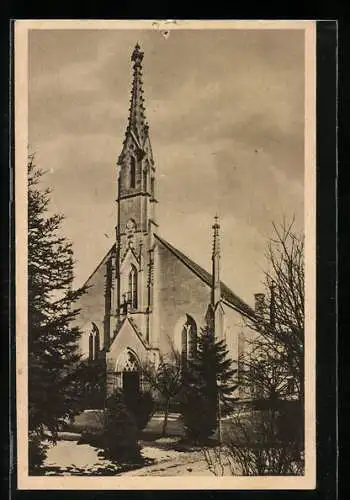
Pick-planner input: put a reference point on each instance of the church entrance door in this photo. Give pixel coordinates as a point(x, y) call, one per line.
point(128, 370)
point(131, 383)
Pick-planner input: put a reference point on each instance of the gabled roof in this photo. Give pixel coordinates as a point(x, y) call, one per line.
point(104, 259)
point(132, 251)
point(134, 327)
point(228, 296)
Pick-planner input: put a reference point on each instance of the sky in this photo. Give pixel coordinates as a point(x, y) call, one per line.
point(226, 116)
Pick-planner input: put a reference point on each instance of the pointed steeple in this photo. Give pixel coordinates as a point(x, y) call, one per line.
point(216, 284)
point(136, 207)
point(137, 130)
point(137, 118)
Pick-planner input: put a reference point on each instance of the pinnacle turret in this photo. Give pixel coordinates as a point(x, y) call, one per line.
point(216, 284)
point(216, 237)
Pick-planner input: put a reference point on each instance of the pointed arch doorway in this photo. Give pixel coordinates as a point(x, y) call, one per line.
point(128, 370)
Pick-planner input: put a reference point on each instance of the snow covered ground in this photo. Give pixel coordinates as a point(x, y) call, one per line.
point(180, 464)
point(162, 456)
point(69, 453)
point(159, 454)
point(69, 458)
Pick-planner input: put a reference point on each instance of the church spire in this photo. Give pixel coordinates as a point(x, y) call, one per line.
point(136, 201)
point(137, 119)
point(137, 131)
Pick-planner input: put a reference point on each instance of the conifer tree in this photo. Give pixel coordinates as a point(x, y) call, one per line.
point(53, 355)
point(209, 385)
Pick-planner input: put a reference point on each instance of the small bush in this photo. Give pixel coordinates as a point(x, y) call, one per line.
point(36, 452)
point(258, 446)
point(120, 436)
point(290, 423)
point(87, 421)
point(94, 439)
point(142, 406)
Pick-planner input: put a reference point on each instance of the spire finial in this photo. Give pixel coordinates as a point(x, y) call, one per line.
point(216, 222)
point(137, 54)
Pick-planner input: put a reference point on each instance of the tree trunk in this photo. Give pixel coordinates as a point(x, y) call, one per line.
point(165, 421)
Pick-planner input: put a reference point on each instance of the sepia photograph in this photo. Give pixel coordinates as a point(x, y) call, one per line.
point(165, 254)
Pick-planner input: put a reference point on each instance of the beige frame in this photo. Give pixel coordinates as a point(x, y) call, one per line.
point(308, 481)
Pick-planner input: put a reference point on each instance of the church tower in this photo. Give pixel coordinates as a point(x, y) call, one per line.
point(146, 297)
point(136, 201)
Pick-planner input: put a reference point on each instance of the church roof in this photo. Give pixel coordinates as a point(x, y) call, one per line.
point(228, 296)
point(102, 261)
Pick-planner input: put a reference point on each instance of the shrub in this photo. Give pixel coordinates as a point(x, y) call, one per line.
point(256, 444)
point(142, 406)
point(120, 435)
point(36, 452)
point(290, 423)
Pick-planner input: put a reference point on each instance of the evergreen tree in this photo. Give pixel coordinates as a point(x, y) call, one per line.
point(52, 337)
point(209, 382)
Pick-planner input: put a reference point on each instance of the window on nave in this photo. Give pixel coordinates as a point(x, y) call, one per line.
point(185, 338)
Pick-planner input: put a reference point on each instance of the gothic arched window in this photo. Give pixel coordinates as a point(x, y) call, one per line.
point(132, 172)
point(94, 342)
point(186, 338)
point(133, 287)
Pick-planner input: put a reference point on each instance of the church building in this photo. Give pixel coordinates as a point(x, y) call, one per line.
point(147, 297)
